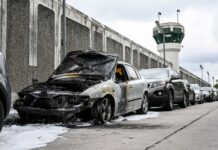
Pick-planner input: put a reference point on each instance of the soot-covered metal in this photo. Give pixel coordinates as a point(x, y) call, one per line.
point(85, 85)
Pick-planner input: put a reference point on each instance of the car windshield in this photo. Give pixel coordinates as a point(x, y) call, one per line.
point(195, 87)
point(92, 63)
point(155, 73)
point(206, 88)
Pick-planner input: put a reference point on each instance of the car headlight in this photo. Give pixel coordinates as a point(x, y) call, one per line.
point(156, 84)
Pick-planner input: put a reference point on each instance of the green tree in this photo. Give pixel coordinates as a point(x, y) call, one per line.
point(216, 86)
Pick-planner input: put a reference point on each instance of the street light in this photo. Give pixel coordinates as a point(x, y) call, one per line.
point(213, 80)
point(202, 68)
point(208, 77)
point(162, 32)
point(64, 28)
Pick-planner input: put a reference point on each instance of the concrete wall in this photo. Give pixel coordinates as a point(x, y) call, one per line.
point(33, 47)
point(46, 27)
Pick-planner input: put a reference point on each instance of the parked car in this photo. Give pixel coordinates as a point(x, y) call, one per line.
point(197, 93)
point(165, 88)
point(5, 92)
point(215, 94)
point(191, 93)
point(87, 82)
point(207, 93)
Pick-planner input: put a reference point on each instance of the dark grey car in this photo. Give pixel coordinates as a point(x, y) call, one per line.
point(165, 87)
point(5, 92)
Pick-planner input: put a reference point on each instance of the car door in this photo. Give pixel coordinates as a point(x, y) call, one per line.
point(121, 80)
point(135, 86)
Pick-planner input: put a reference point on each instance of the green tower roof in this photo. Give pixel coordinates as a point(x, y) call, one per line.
point(174, 33)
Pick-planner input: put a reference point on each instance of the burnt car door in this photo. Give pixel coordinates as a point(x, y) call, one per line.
point(121, 81)
point(135, 88)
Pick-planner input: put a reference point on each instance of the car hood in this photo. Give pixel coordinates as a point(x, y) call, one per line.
point(155, 80)
point(61, 85)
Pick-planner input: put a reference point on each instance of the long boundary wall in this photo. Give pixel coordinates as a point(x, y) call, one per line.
point(31, 40)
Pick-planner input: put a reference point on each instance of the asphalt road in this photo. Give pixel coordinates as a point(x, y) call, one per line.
point(193, 128)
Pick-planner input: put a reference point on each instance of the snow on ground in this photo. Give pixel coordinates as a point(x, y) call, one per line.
point(29, 136)
point(150, 114)
point(13, 111)
point(16, 137)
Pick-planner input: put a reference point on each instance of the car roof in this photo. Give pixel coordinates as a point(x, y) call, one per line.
point(123, 63)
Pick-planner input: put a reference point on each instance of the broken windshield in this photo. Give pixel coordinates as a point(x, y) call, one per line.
point(87, 63)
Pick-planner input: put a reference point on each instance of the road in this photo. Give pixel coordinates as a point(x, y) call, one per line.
point(193, 128)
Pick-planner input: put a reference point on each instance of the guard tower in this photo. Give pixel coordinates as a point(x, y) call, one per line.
point(168, 37)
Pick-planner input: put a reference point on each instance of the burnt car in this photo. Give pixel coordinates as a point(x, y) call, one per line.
point(165, 88)
point(5, 92)
point(89, 82)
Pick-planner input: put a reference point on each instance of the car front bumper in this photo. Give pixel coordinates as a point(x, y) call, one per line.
point(157, 96)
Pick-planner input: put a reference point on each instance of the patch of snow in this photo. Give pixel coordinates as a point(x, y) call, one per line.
point(150, 114)
point(29, 136)
point(13, 111)
point(85, 124)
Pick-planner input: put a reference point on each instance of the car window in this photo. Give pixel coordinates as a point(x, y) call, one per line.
point(172, 73)
point(120, 74)
point(175, 73)
point(131, 72)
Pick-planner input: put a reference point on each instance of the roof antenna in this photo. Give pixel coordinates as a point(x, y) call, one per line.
point(159, 14)
point(178, 11)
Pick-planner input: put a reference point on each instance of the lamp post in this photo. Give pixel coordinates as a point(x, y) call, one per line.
point(162, 32)
point(64, 28)
point(208, 77)
point(202, 68)
point(213, 80)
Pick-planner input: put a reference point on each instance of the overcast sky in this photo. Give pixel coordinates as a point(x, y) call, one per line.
point(135, 19)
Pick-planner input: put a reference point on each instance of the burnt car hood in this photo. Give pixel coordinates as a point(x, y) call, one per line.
point(61, 85)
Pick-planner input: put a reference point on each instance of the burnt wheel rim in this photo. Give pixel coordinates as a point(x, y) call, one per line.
point(106, 110)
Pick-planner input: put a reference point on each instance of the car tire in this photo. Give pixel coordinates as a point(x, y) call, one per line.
point(169, 103)
point(193, 101)
point(183, 104)
point(1, 115)
point(144, 105)
point(102, 110)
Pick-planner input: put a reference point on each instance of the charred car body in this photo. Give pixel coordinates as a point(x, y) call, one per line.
point(86, 81)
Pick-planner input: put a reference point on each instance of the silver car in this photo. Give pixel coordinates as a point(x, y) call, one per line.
point(198, 95)
point(91, 83)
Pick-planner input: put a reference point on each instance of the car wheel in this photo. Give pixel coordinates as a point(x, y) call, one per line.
point(169, 104)
point(193, 101)
point(183, 104)
point(144, 105)
point(1, 115)
point(102, 110)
